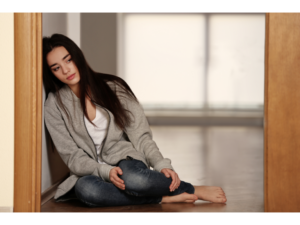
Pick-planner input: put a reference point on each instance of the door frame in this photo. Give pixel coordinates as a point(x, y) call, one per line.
point(28, 112)
point(281, 116)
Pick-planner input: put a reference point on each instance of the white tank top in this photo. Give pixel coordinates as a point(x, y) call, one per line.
point(98, 133)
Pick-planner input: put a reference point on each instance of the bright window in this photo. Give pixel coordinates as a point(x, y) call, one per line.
point(186, 60)
point(236, 60)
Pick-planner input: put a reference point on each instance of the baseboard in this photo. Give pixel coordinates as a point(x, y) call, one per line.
point(50, 192)
point(6, 209)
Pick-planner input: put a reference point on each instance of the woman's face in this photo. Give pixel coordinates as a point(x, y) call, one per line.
point(62, 66)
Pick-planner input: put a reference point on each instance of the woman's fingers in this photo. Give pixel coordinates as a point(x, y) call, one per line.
point(118, 184)
point(119, 170)
point(177, 182)
point(165, 172)
point(115, 179)
point(175, 179)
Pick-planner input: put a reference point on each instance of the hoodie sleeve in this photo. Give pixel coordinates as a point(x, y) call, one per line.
point(77, 160)
point(140, 134)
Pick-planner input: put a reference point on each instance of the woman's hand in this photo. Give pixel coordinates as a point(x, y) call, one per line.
point(117, 181)
point(175, 179)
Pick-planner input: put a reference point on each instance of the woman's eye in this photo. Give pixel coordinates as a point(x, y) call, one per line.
point(69, 60)
point(55, 69)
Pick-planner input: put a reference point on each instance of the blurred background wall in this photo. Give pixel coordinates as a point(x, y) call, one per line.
point(99, 41)
point(199, 77)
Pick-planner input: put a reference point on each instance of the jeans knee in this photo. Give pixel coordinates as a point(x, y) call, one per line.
point(85, 189)
point(135, 181)
point(135, 176)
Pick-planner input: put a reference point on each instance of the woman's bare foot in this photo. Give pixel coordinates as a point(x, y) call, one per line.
point(210, 193)
point(184, 197)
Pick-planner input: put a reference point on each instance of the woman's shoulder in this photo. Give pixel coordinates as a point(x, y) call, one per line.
point(65, 94)
point(50, 101)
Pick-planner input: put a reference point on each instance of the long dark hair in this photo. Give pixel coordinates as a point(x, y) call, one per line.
point(92, 84)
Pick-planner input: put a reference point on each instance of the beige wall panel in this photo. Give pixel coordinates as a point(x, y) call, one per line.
point(282, 113)
point(7, 111)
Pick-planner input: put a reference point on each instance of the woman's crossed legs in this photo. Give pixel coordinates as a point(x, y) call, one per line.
point(142, 186)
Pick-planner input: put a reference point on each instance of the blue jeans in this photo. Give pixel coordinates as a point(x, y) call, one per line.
point(142, 186)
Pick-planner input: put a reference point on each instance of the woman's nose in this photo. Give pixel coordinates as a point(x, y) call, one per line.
point(65, 69)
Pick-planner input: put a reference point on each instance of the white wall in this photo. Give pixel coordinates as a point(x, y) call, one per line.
point(53, 168)
point(7, 112)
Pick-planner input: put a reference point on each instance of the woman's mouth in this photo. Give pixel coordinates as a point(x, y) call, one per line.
point(71, 77)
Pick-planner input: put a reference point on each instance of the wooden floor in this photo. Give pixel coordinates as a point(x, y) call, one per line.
point(230, 157)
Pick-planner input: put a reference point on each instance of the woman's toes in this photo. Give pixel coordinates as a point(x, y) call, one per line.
point(191, 197)
point(190, 201)
point(219, 200)
point(194, 197)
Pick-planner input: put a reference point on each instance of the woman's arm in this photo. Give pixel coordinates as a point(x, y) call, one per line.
point(140, 135)
point(73, 156)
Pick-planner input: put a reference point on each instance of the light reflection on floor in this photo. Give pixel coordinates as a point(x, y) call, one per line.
point(230, 157)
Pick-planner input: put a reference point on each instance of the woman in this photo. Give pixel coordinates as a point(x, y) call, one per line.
point(101, 133)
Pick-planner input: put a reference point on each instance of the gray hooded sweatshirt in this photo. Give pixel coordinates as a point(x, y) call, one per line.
point(77, 150)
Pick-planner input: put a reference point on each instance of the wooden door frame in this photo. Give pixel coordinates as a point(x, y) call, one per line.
point(282, 109)
point(28, 112)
